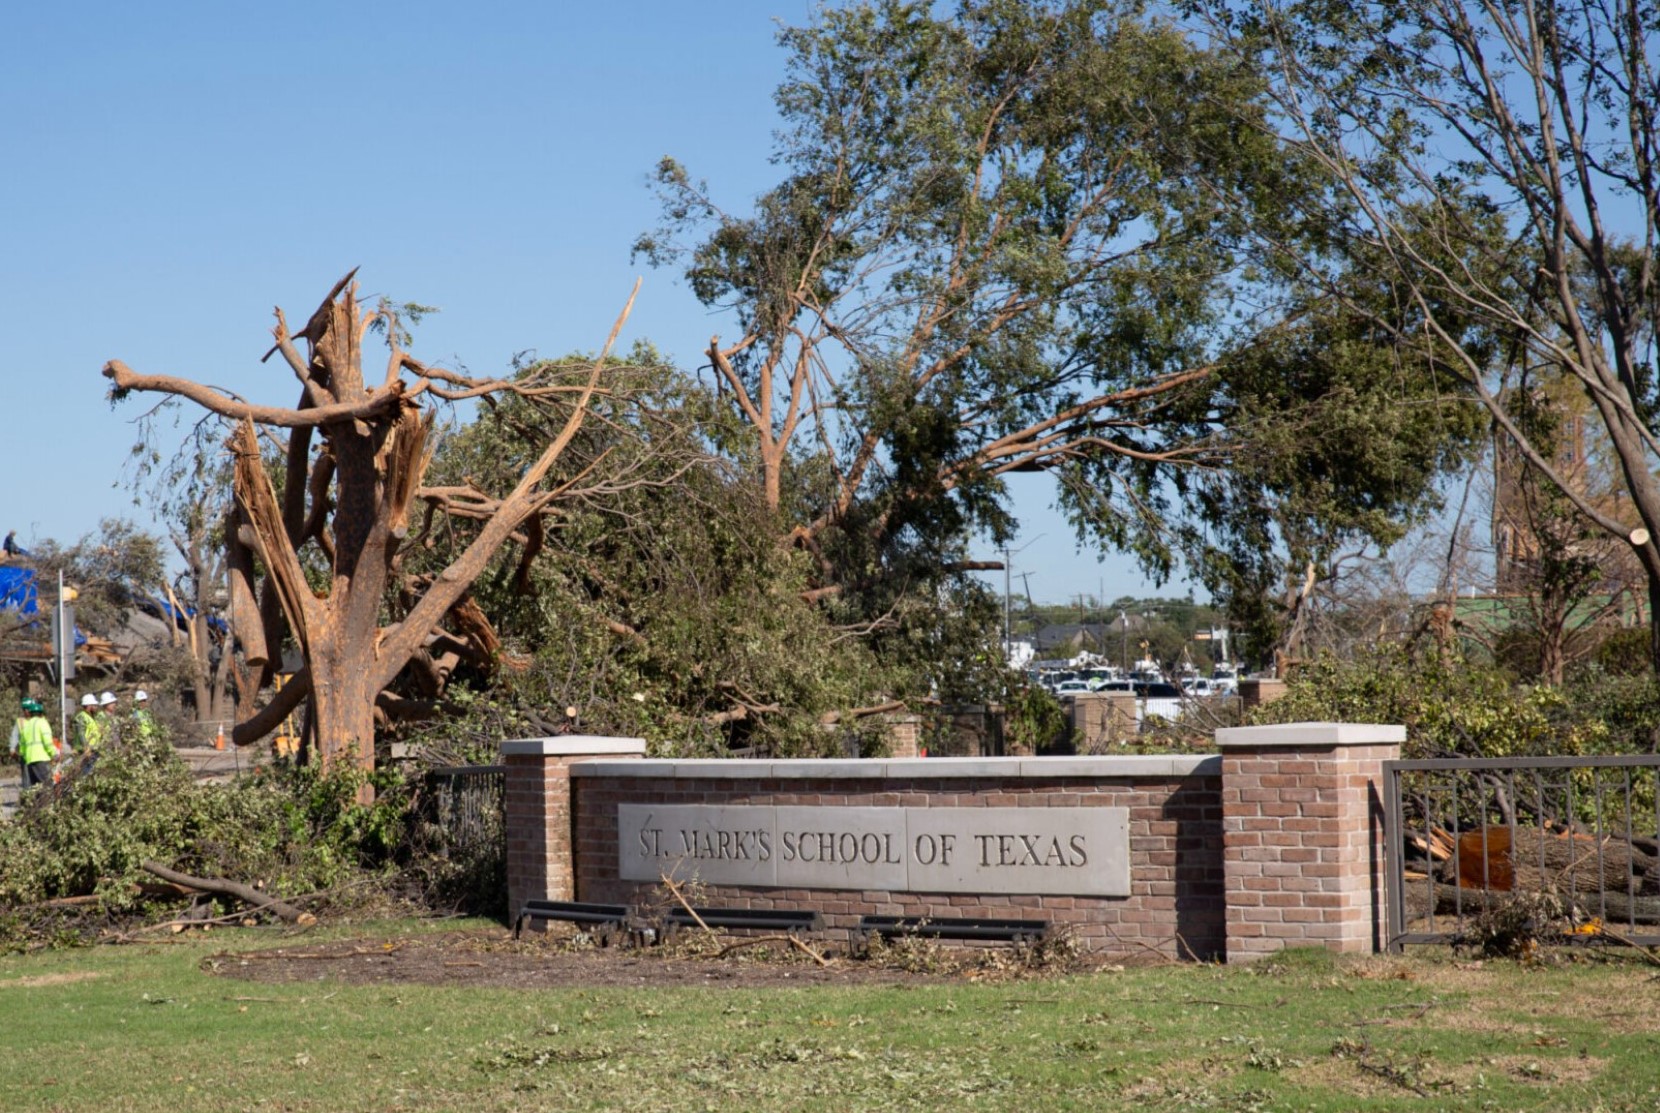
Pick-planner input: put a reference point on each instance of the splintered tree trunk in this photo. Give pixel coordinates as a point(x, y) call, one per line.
point(344, 643)
point(360, 487)
point(343, 706)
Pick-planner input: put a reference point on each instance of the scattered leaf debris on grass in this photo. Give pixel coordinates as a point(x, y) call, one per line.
point(491, 957)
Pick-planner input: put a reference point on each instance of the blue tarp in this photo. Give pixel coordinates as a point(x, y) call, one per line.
point(185, 614)
point(17, 590)
point(17, 593)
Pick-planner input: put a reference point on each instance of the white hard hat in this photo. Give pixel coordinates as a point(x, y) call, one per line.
point(89, 700)
point(105, 698)
point(139, 695)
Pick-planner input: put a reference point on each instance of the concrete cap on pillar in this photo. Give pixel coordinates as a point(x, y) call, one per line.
point(573, 745)
point(1312, 735)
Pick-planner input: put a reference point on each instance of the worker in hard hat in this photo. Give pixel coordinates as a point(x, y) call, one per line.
point(107, 717)
point(34, 745)
point(89, 732)
point(144, 725)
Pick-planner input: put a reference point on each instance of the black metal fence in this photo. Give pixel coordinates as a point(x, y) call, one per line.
point(1466, 836)
point(465, 803)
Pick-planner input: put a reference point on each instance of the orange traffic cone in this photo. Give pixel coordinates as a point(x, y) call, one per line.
point(219, 742)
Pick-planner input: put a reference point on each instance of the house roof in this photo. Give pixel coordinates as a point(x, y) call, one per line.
point(1075, 634)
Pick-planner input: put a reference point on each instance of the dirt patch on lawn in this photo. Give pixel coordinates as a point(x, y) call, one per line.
point(40, 980)
point(493, 958)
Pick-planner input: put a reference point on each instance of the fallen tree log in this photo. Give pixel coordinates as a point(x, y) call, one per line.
point(1502, 858)
point(1424, 897)
point(287, 913)
point(153, 889)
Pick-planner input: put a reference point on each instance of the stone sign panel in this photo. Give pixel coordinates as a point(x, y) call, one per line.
point(851, 848)
point(1055, 851)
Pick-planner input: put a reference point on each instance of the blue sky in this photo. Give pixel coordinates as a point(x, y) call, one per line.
point(178, 169)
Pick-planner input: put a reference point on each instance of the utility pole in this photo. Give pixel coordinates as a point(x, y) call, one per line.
point(1008, 588)
point(1008, 640)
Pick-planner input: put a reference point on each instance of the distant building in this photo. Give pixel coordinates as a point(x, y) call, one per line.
point(1523, 521)
point(1067, 639)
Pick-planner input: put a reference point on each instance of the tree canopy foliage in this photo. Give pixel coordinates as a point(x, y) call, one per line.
point(1027, 237)
point(1222, 285)
point(662, 607)
point(1454, 705)
point(1435, 122)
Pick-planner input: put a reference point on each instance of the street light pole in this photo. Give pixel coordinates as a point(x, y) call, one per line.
point(64, 639)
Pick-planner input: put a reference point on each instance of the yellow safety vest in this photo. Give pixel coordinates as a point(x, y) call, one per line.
point(34, 740)
point(88, 730)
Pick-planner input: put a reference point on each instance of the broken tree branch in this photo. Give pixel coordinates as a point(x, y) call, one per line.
point(373, 404)
point(285, 912)
point(269, 717)
point(757, 941)
point(668, 883)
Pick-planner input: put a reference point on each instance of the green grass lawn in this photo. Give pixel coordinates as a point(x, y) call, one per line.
point(144, 1028)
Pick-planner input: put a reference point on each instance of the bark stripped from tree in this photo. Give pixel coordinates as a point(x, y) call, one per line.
point(351, 499)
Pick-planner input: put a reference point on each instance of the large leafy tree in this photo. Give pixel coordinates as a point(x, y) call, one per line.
point(1339, 426)
point(1548, 109)
point(1028, 237)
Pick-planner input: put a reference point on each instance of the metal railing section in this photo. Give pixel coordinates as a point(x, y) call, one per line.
point(466, 803)
point(1464, 835)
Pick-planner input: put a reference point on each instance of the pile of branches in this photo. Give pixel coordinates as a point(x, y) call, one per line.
point(136, 845)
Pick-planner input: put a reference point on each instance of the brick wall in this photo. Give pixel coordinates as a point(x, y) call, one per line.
point(1257, 690)
point(1176, 903)
point(1276, 842)
point(904, 735)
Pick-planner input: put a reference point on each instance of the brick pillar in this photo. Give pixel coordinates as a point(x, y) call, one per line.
point(1302, 835)
point(536, 811)
point(904, 735)
point(1256, 691)
point(1102, 718)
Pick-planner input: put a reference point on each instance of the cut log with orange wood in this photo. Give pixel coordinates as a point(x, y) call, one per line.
point(1504, 859)
point(1437, 845)
point(1441, 844)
